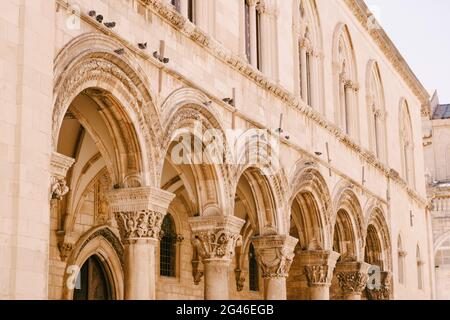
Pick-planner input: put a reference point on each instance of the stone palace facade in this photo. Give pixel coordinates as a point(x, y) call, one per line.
point(199, 149)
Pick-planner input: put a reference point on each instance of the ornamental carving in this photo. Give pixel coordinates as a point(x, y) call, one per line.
point(275, 255)
point(383, 292)
point(216, 245)
point(145, 224)
point(352, 282)
point(65, 248)
point(59, 188)
point(240, 279)
point(317, 275)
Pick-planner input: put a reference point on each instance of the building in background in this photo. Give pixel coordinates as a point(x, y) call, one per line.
point(437, 171)
point(199, 149)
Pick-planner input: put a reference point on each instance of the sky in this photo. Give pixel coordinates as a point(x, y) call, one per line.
point(420, 29)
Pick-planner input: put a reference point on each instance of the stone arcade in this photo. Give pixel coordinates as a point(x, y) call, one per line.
point(319, 186)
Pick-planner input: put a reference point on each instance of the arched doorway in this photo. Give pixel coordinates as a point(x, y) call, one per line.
point(92, 282)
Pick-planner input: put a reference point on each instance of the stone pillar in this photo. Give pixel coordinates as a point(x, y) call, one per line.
point(215, 238)
point(348, 89)
point(253, 35)
point(275, 254)
point(59, 166)
point(352, 278)
point(381, 290)
point(303, 70)
point(139, 213)
point(319, 266)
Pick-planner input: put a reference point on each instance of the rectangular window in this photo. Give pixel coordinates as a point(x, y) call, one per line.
point(258, 40)
point(191, 10)
point(248, 50)
point(308, 79)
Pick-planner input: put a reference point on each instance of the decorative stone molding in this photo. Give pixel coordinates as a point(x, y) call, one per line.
point(239, 63)
point(319, 266)
point(352, 276)
point(139, 212)
point(275, 254)
point(383, 292)
point(215, 237)
point(59, 165)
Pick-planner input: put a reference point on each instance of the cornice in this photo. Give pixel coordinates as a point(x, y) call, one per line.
point(379, 36)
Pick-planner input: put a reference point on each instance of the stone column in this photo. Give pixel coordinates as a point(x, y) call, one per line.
point(303, 70)
point(319, 266)
point(253, 35)
point(381, 290)
point(139, 213)
point(352, 278)
point(215, 238)
point(275, 254)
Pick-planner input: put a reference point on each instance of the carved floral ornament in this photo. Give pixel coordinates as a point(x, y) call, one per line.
point(216, 237)
point(352, 282)
point(352, 276)
point(139, 212)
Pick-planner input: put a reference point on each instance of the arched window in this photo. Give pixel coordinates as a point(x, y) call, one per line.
point(309, 52)
point(92, 282)
point(253, 269)
point(167, 253)
point(376, 111)
point(406, 144)
point(419, 269)
point(176, 4)
point(253, 24)
point(191, 7)
point(401, 261)
point(346, 85)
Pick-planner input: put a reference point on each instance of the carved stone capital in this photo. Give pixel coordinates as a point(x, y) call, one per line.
point(139, 212)
point(383, 290)
point(352, 276)
point(59, 165)
point(319, 266)
point(275, 254)
point(215, 237)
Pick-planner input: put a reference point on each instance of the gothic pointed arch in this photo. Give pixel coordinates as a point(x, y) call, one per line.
point(378, 245)
point(89, 72)
point(407, 146)
point(345, 81)
point(102, 243)
point(348, 221)
point(376, 111)
point(311, 206)
point(308, 53)
point(257, 164)
point(194, 139)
